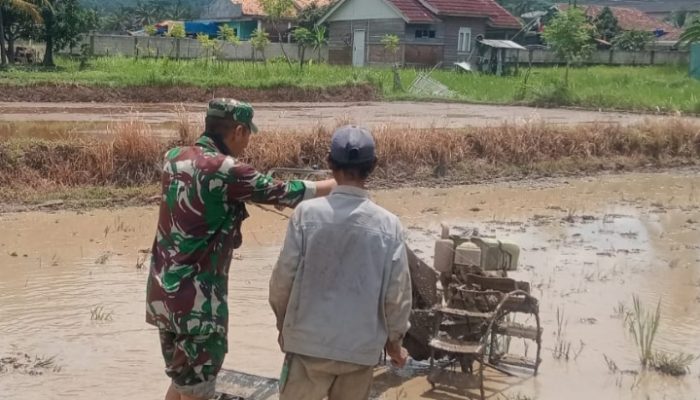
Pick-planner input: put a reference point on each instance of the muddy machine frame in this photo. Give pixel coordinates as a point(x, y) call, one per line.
point(472, 318)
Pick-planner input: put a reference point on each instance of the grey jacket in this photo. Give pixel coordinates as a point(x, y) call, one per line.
point(341, 286)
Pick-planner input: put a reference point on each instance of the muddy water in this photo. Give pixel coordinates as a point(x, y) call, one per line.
point(587, 245)
point(270, 116)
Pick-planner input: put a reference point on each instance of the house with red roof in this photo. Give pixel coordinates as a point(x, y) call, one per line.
point(430, 31)
point(632, 19)
point(245, 16)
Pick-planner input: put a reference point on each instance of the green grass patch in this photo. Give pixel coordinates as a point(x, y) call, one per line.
point(120, 71)
point(645, 88)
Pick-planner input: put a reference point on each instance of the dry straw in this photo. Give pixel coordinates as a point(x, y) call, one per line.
point(132, 153)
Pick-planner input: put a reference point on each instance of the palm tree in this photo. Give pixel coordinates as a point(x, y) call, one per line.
point(319, 40)
point(680, 18)
point(146, 13)
point(691, 35)
point(24, 6)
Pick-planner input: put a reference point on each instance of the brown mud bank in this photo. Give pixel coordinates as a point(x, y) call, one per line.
point(79, 93)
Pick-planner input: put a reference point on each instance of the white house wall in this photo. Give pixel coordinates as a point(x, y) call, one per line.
point(363, 9)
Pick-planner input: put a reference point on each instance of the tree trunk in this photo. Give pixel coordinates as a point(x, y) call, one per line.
point(49, 22)
point(301, 57)
point(48, 54)
point(279, 37)
point(3, 54)
point(11, 51)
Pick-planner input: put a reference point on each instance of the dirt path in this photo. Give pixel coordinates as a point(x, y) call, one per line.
point(307, 115)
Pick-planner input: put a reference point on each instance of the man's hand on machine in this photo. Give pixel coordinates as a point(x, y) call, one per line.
point(397, 353)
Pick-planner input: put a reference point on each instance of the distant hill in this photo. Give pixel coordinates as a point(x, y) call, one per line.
point(113, 5)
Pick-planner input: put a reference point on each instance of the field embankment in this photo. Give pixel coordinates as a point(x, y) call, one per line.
point(658, 89)
point(126, 165)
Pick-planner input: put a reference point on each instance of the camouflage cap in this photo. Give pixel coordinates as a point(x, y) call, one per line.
point(236, 110)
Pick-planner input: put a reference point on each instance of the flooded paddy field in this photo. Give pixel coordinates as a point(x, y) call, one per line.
point(72, 288)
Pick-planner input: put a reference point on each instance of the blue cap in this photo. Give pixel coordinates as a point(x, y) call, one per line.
point(352, 145)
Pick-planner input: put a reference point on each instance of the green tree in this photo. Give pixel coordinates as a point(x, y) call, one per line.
point(177, 31)
point(179, 11)
point(63, 22)
point(16, 24)
point(304, 39)
point(690, 35)
point(681, 18)
point(146, 13)
point(633, 40)
point(570, 35)
point(277, 11)
point(228, 35)
point(225, 33)
point(392, 43)
point(319, 40)
point(120, 20)
point(309, 16)
point(208, 44)
point(16, 9)
point(260, 40)
point(607, 25)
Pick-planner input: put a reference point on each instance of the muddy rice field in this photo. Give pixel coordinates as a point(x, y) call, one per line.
point(72, 289)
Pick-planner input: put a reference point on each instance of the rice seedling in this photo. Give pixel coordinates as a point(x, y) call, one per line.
point(612, 365)
point(643, 326)
point(673, 364)
point(23, 363)
point(562, 347)
point(562, 350)
point(99, 313)
point(620, 311)
point(517, 396)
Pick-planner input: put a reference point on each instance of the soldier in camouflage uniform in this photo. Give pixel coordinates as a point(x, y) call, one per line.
point(203, 206)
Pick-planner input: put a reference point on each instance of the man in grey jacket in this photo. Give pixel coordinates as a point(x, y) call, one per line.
point(341, 289)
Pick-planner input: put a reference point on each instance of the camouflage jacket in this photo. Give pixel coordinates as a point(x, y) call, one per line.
point(199, 225)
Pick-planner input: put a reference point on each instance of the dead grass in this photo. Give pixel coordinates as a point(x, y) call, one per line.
point(132, 154)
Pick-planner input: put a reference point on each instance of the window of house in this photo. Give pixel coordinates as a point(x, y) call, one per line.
point(425, 33)
point(464, 42)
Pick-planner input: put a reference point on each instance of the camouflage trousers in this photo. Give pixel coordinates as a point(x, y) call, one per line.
point(193, 361)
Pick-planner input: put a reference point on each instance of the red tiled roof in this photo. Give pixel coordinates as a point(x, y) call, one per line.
point(632, 19)
point(254, 8)
point(501, 18)
point(413, 11)
point(498, 16)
